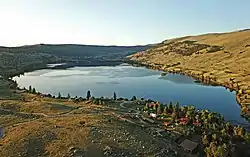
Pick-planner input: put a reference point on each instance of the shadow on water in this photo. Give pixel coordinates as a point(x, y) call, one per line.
point(178, 79)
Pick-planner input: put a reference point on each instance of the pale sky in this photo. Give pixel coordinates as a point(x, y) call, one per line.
point(116, 22)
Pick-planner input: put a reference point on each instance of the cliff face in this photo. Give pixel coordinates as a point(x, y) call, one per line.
point(223, 58)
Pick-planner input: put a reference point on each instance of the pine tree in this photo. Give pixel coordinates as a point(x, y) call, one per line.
point(34, 91)
point(246, 137)
point(176, 112)
point(159, 110)
point(88, 95)
point(30, 89)
point(170, 107)
point(133, 98)
point(68, 96)
point(114, 96)
point(177, 105)
point(59, 96)
point(205, 140)
point(165, 111)
point(146, 107)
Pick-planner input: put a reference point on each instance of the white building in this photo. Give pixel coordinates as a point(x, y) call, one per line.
point(153, 115)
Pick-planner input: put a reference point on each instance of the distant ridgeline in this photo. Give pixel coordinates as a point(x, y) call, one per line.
point(17, 60)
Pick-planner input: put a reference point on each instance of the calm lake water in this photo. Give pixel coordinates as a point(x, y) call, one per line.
point(127, 81)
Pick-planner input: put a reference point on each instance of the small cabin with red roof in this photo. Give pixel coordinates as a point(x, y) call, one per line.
point(166, 123)
point(196, 123)
point(183, 121)
point(151, 105)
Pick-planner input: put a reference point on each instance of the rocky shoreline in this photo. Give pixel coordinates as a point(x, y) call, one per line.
point(242, 92)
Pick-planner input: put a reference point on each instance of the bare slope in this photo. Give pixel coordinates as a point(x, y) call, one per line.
point(47, 127)
point(223, 58)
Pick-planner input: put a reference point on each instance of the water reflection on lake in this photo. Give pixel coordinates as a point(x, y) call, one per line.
point(127, 81)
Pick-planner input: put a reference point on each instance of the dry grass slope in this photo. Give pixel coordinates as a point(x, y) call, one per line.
point(224, 57)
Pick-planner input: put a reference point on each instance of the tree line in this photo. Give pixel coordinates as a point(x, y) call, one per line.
point(218, 136)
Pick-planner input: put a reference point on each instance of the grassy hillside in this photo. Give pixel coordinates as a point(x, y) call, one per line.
point(16, 60)
point(39, 125)
point(34, 125)
point(75, 50)
point(221, 58)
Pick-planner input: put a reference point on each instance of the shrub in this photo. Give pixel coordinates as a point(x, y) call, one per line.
point(133, 98)
point(215, 49)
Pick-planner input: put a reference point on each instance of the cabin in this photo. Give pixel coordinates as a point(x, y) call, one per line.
point(153, 115)
point(183, 121)
point(189, 146)
point(151, 105)
point(166, 123)
point(196, 123)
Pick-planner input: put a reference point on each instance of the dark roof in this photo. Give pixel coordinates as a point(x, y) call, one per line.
point(189, 145)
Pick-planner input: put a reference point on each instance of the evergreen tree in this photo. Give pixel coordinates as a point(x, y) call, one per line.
point(205, 140)
point(88, 95)
point(114, 96)
point(156, 106)
point(177, 105)
point(146, 107)
point(133, 98)
point(173, 118)
point(214, 137)
point(100, 102)
point(34, 91)
point(176, 112)
point(59, 96)
point(68, 96)
point(165, 111)
point(246, 137)
point(95, 101)
point(159, 109)
point(30, 89)
point(170, 107)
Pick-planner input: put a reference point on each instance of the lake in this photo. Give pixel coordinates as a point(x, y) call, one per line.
point(128, 81)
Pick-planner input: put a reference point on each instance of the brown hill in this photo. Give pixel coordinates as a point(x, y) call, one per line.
point(221, 58)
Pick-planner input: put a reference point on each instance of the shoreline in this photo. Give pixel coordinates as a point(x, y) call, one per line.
point(199, 76)
point(186, 72)
point(125, 99)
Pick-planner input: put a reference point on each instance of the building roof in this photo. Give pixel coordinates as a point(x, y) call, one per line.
point(196, 123)
point(166, 123)
point(188, 145)
point(153, 115)
point(183, 122)
point(183, 119)
point(152, 104)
